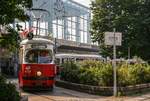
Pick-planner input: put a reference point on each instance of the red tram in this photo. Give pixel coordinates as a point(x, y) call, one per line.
point(37, 67)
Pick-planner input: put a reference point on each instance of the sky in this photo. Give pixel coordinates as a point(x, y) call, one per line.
point(84, 2)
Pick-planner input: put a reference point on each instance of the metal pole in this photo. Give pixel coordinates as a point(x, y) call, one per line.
point(37, 21)
point(114, 65)
point(128, 52)
point(55, 40)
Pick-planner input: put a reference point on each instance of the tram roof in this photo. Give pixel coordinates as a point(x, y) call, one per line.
point(78, 56)
point(37, 40)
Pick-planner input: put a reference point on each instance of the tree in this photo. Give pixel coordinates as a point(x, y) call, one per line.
point(131, 17)
point(13, 9)
point(9, 11)
point(10, 40)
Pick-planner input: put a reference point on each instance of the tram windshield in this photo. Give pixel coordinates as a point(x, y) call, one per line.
point(39, 56)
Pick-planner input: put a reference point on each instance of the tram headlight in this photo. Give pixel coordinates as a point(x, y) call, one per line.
point(38, 73)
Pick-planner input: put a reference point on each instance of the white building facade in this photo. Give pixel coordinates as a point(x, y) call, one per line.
point(64, 19)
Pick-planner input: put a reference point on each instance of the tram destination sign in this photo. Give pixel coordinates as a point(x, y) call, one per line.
point(112, 38)
point(39, 46)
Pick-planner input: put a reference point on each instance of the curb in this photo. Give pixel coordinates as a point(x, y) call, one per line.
point(104, 91)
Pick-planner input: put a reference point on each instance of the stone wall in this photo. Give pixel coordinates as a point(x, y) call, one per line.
point(105, 91)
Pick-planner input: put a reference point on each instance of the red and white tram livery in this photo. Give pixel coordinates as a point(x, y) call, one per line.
point(37, 67)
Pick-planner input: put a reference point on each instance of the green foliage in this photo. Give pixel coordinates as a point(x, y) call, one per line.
point(89, 63)
point(88, 72)
point(89, 76)
point(13, 9)
point(107, 75)
point(124, 78)
point(10, 41)
point(138, 73)
point(70, 72)
point(9, 11)
point(2, 79)
point(101, 74)
point(133, 74)
point(131, 17)
point(8, 91)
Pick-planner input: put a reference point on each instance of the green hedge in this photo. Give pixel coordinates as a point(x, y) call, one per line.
point(8, 91)
point(101, 74)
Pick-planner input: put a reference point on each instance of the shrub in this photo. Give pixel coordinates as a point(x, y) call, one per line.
point(8, 91)
point(139, 73)
point(2, 80)
point(147, 74)
point(90, 76)
point(107, 75)
point(90, 64)
point(101, 74)
point(131, 74)
point(70, 72)
point(124, 76)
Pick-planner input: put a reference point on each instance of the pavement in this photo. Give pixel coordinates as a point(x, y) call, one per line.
point(61, 94)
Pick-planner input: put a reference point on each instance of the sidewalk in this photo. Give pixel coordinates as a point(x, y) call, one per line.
point(138, 97)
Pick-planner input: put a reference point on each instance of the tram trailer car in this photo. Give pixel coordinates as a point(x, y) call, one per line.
point(37, 67)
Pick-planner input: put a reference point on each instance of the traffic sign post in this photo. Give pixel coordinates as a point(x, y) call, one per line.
point(110, 38)
point(114, 38)
point(114, 65)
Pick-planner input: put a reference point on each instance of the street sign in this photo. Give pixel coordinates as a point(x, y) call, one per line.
point(111, 38)
point(114, 39)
